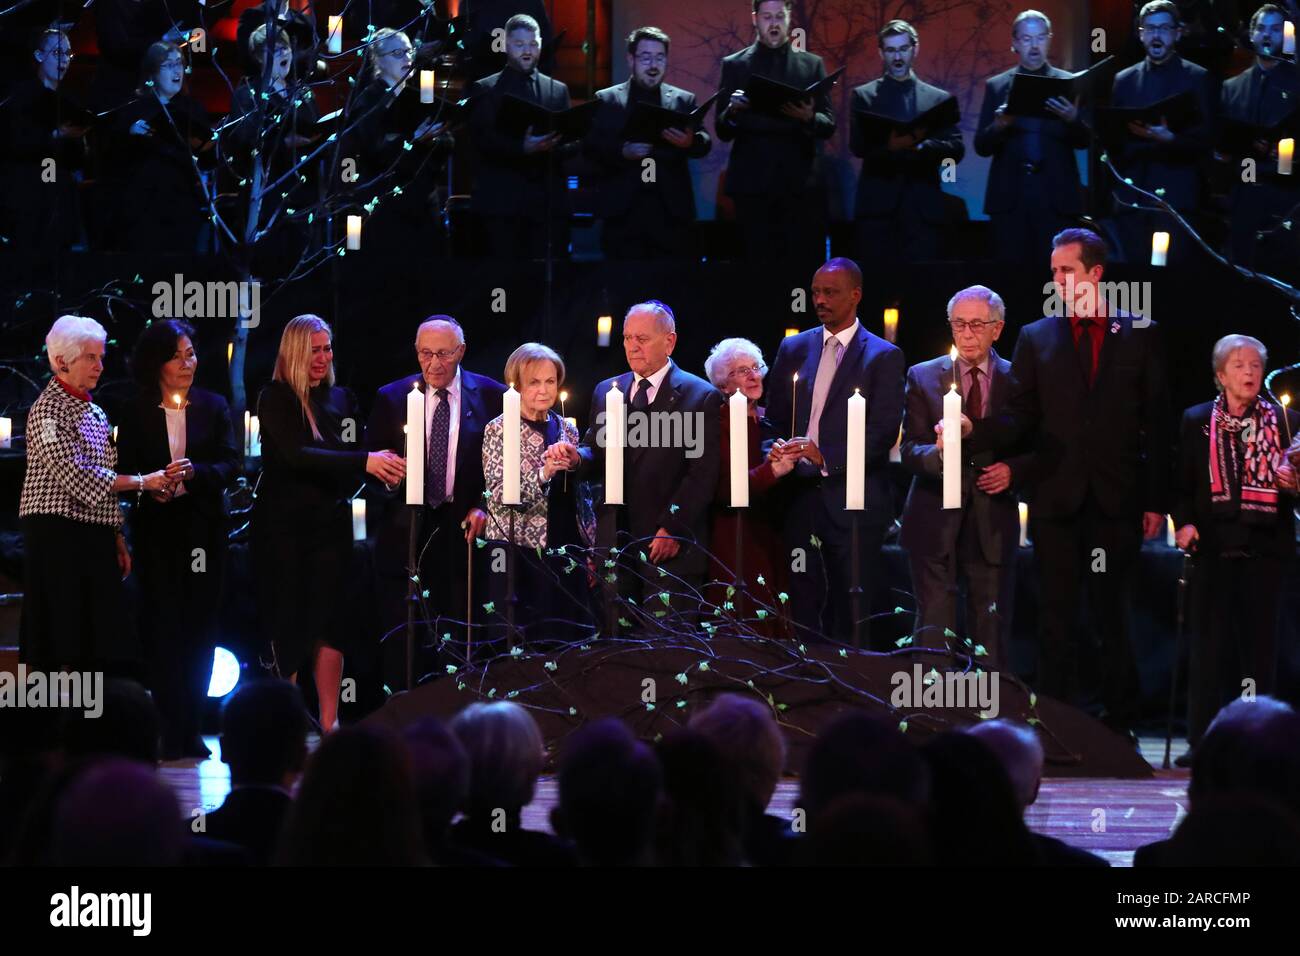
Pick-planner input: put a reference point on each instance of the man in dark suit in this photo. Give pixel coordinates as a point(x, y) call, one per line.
point(1091, 383)
point(832, 362)
point(1263, 96)
point(976, 542)
point(264, 740)
point(772, 172)
point(667, 486)
point(519, 182)
point(458, 404)
point(1033, 189)
point(1154, 156)
point(900, 207)
point(645, 200)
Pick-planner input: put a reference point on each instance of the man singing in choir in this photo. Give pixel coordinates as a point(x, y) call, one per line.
point(645, 200)
point(772, 173)
point(519, 188)
point(1155, 155)
point(1264, 96)
point(1091, 382)
point(900, 207)
point(833, 362)
point(458, 404)
point(976, 543)
point(1033, 189)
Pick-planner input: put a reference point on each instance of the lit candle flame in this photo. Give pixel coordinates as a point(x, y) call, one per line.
point(177, 399)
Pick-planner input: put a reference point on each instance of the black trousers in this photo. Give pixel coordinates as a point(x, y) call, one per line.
point(821, 576)
point(1066, 551)
point(1234, 607)
point(551, 601)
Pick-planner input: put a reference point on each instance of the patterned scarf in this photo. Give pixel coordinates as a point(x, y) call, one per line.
point(1244, 484)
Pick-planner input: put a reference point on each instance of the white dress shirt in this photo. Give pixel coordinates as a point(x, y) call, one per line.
point(176, 437)
point(430, 406)
point(655, 380)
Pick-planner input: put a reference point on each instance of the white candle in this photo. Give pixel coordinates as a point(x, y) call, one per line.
point(415, 446)
point(1288, 38)
point(255, 445)
point(855, 469)
point(1285, 151)
point(614, 438)
point(426, 86)
point(891, 325)
point(604, 325)
point(1159, 248)
point(738, 410)
point(510, 426)
point(952, 446)
point(336, 34)
point(354, 232)
point(1024, 525)
point(358, 519)
point(1170, 536)
point(248, 433)
point(7, 432)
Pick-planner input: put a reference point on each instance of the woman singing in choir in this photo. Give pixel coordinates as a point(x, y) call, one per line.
point(1234, 507)
point(313, 460)
point(75, 554)
point(553, 514)
point(737, 365)
point(179, 533)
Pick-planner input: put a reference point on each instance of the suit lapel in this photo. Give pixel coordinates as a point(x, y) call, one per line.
point(807, 375)
point(1109, 345)
point(470, 413)
point(1069, 355)
point(848, 361)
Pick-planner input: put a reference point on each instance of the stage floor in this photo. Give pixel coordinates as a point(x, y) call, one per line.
point(1106, 816)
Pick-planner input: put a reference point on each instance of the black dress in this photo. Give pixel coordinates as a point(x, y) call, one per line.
point(180, 591)
point(302, 522)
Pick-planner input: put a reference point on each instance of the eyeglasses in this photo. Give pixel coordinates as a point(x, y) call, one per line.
point(442, 355)
point(652, 59)
point(744, 370)
point(401, 53)
point(1165, 30)
point(958, 325)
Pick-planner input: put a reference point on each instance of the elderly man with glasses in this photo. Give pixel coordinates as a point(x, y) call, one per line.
point(974, 545)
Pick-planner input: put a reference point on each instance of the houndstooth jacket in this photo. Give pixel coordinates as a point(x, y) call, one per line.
point(530, 528)
point(71, 461)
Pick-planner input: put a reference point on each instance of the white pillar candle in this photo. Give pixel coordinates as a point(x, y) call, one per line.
point(7, 432)
point(426, 86)
point(891, 325)
point(354, 232)
point(1285, 152)
point(358, 519)
point(614, 438)
point(415, 446)
point(510, 426)
point(604, 325)
point(1170, 535)
point(952, 446)
point(1159, 248)
point(335, 35)
point(1288, 38)
point(1024, 525)
point(248, 433)
point(738, 412)
point(855, 467)
point(256, 433)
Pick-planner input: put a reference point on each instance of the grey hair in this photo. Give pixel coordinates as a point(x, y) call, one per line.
point(1224, 348)
point(69, 335)
point(744, 729)
point(715, 366)
point(1024, 15)
point(435, 320)
point(506, 753)
point(1019, 751)
point(997, 308)
point(664, 319)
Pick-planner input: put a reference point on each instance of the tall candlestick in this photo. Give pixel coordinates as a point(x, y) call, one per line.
point(1159, 248)
point(952, 447)
point(614, 439)
point(604, 325)
point(510, 446)
point(1024, 524)
point(426, 86)
point(738, 412)
point(794, 404)
point(335, 42)
point(891, 325)
point(415, 446)
point(358, 519)
point(1288, 38)
point(855, 469)
point(354, 232)
point(7, 432)
point(1285, 153)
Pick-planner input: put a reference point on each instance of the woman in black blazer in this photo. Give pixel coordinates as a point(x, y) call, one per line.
point(180, 532)
point(1234, 506)
point(313, 460)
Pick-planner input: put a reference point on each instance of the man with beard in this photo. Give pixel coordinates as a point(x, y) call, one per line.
point(772, 173)
point(645, 200)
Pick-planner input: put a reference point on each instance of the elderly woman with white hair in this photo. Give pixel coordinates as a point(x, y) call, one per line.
point(75, 551)
point(1235, 491)
point(734, 365)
